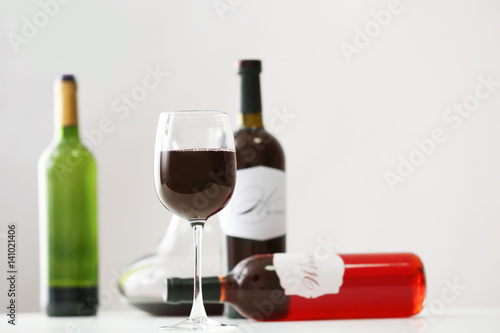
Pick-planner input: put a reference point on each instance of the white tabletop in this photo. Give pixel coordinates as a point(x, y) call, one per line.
point(455, 320)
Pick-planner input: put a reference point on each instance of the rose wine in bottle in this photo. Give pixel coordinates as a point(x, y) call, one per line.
point(254, 220)
point(300, 287)
point(68, 214)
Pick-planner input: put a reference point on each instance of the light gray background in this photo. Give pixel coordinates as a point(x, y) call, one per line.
point(349, 123)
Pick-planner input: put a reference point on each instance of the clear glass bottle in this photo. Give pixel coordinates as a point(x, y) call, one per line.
point(141, 283)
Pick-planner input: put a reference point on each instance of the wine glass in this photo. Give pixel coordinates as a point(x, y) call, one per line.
point(194, 174)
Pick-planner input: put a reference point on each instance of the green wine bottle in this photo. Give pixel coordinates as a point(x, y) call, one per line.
point(68, 214)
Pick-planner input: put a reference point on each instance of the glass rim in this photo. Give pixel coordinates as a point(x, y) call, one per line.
point(194, 113)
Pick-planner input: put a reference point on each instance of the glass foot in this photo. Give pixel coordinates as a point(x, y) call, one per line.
point(200, 324)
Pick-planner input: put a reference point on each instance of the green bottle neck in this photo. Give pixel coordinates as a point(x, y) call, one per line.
point(181, 290)
point(67, 133)
point(66, 110)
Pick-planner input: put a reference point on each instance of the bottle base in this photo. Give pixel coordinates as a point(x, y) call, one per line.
point(71, 301)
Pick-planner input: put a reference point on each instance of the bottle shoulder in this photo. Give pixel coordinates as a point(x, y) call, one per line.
point(253, 268)
point(249, 133)
point(67, 152)
point(253, 281)
point(256, 146)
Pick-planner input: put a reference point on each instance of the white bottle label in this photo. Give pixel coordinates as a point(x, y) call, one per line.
point(306, 276)
point(257, 208)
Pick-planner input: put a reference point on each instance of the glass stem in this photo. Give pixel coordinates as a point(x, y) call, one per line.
point(198, 309)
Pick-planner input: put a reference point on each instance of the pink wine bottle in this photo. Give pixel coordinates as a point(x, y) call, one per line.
point(287, 286)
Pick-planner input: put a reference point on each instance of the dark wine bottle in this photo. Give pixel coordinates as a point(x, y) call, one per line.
point(254, 221)
point(300, 287)
point(68, 214)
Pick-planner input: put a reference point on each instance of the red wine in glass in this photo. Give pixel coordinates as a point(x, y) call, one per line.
point(196, 183)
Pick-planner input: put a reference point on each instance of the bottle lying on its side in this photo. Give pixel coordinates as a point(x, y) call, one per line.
point(287, 286)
